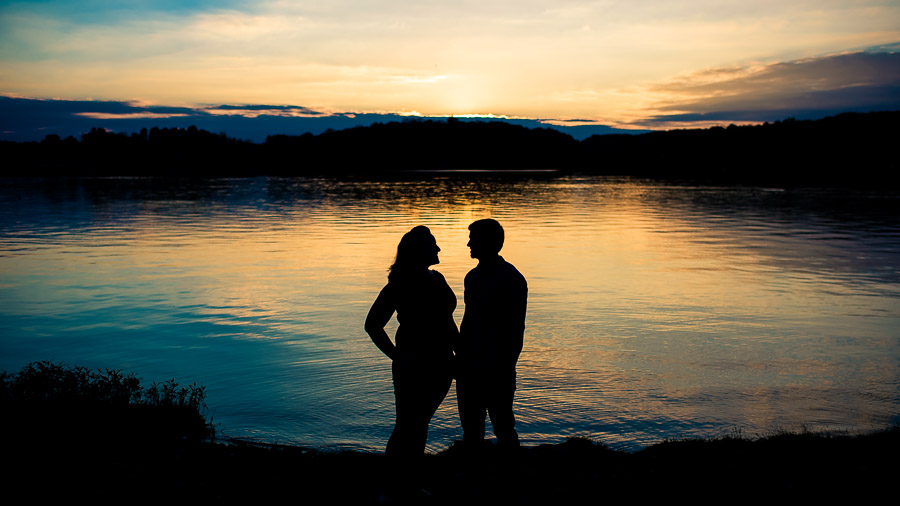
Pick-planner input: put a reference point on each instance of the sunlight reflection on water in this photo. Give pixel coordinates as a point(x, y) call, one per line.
point(655, 311)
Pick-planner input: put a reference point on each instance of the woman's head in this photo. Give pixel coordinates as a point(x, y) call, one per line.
point(417, 250)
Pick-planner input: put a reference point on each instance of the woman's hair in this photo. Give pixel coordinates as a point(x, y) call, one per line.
point(413, 251)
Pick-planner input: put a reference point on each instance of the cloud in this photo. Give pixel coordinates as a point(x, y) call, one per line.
point(252, 111)
point(133, 115)
point(807, 88)
point(534, 58)
point(24, 119)
point(265, 108)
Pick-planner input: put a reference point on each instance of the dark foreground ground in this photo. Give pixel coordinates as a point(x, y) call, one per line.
point(69, 435)
point(783, 467)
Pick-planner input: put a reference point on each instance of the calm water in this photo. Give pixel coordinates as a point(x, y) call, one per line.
point(655, 311)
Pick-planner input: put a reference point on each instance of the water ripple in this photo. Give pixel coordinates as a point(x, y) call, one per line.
point(655, 311)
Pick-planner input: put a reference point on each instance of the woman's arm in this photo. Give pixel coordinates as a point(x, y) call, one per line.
point(379, 315)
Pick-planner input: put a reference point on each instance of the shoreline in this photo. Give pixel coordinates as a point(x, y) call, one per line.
point(71, 433)
point(800, 465)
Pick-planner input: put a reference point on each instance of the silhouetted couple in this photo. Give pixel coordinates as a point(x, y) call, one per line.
point(428, 350)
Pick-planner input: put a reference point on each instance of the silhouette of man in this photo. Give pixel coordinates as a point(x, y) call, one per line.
point(490, 342)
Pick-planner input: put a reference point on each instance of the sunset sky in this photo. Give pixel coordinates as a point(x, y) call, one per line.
point(628, 64)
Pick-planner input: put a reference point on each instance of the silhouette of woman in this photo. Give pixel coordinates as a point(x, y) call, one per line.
point(422, 353)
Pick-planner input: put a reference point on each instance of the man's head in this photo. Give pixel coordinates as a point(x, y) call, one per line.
point(485, 238)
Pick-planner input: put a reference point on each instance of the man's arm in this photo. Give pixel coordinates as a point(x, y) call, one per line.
point(517, 304)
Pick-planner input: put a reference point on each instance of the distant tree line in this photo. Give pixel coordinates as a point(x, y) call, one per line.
point(847, 148)
point(850, 145)
point(159, 151)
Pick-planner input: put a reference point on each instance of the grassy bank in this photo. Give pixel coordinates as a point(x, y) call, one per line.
point(101, 436)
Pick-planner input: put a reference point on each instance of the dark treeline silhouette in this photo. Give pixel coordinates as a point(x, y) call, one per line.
point(423, 145)
point(159, 151)
point(850, 147)
point(847, 148)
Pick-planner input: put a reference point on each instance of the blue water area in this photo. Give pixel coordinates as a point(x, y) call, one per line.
point(656, 310)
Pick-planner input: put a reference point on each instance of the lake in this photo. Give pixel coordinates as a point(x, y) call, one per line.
point(656, 310)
